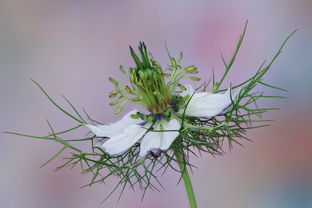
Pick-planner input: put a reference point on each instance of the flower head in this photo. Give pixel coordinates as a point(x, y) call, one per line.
point(166, 105)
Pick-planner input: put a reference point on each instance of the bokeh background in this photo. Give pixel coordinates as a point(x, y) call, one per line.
point(72, 46)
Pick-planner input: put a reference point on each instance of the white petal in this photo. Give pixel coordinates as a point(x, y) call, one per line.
point(121, 142)
point(208, 105)
point(169, 136)
point(162, 140)
point(152, 140)
point(114, 128)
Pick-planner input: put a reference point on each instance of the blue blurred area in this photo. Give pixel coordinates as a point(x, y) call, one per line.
point(71, 47)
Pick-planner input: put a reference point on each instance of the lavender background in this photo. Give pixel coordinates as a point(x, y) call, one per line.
point(71, 47)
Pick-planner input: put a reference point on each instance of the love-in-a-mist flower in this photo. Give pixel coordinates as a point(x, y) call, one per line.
point(165, 103)
point(172, 122)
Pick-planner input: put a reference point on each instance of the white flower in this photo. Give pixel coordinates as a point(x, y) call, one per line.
point(128, 131)
point(204, 104)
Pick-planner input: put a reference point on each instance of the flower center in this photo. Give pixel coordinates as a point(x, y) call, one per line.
point(148, 81)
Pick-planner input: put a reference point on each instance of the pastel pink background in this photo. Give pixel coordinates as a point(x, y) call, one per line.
point(72, 46)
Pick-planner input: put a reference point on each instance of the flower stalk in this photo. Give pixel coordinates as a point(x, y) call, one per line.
point(186, 179)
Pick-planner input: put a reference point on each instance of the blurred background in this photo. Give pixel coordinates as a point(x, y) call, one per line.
point(71, 47)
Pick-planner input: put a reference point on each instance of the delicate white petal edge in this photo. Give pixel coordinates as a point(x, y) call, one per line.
point(114, 128)
point(97, 130)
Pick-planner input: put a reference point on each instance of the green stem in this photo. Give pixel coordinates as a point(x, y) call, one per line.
point(187, 180)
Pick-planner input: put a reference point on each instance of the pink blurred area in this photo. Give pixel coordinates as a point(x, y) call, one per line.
point(72, 47)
